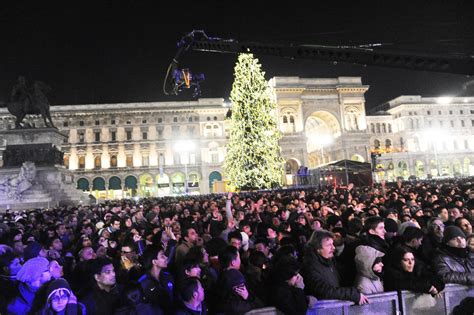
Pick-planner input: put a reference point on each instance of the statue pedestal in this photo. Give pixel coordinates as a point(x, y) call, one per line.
point(52, 184)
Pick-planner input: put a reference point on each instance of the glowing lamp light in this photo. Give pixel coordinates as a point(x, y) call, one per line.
point(444, 100)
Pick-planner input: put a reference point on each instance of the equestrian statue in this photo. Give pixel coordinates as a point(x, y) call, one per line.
point(24, 101)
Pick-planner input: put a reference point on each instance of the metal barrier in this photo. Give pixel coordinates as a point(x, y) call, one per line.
point(417, 303)
point(330, 307)
point(265, 311)
point(380, 304)
point(404, 302)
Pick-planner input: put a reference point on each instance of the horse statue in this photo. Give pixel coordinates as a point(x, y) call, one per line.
point(26, 101)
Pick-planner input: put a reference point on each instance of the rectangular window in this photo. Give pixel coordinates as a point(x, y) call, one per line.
point(129, 122)
point(450, 112)
point(112, 122)
point(452, 123)
point(461, 112)
point(160, 120)
point(428, 112)
point(175, 119)
point(81, 123)
point(466, 144)
point(144, 136)
point(439, 112)
point(97, 136)
point(97, 122)
point(65, 124)
point(215, 158)
point(429, 123)
point(160, 133)
point(143, 121)
point(113, 136)
point(145, 160)
point(81, 137)
point(129, 160)
point(129, 134)
point(472, 123)
point(441, 123)
point(462, 123)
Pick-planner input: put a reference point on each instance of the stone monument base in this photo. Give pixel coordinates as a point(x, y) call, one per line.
point(51, 184)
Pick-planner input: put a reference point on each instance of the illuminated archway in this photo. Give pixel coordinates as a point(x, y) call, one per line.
point(419, 169)
point(146, 186)
point(163, 184)
point(214, 176)
point(177, 182)
point(321, 128)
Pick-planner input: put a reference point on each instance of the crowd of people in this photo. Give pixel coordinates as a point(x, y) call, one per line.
point(232, 253)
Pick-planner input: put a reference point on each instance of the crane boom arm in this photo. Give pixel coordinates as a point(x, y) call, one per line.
point(456, 64)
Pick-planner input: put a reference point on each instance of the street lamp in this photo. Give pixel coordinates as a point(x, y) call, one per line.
point(184, 147)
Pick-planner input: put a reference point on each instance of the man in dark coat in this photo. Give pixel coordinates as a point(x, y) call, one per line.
point(453, 262)
point(105, 295)
point(319, 271)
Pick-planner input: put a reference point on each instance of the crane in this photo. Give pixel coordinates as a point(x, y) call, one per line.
point(367, 55)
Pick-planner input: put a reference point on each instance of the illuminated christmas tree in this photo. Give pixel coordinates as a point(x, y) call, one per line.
point(253, 159)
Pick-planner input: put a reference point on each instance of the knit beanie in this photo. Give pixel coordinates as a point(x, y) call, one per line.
point(391, 225)
point(56, 285)
point(32, 250)
point(451, 232)
point(286, 268)
point(32, 269)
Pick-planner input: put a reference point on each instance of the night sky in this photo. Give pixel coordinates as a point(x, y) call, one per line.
point(99, 52)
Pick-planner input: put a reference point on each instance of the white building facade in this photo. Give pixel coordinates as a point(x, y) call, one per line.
point(423, 137)
point(125, 150)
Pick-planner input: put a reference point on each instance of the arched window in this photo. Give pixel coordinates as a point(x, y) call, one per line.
point(285, 119)
point(372, 128)
point(378, 127)
point(384, 128)
point(389, 128)
point(388, 144)
point(292, 120)
point(377, 144)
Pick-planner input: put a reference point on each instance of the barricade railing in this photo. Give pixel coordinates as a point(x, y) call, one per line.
point(418, 303)
point(380, 304)
point(404, 302)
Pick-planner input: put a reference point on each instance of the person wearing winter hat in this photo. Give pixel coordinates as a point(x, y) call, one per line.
point(61, 300)
point(34, 249)
point(453, 263)
point(32, 275)
point(369, 266)
point(288, 292)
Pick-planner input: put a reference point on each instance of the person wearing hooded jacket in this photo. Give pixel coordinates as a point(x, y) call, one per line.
point(369, 266)
point(453, 262)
